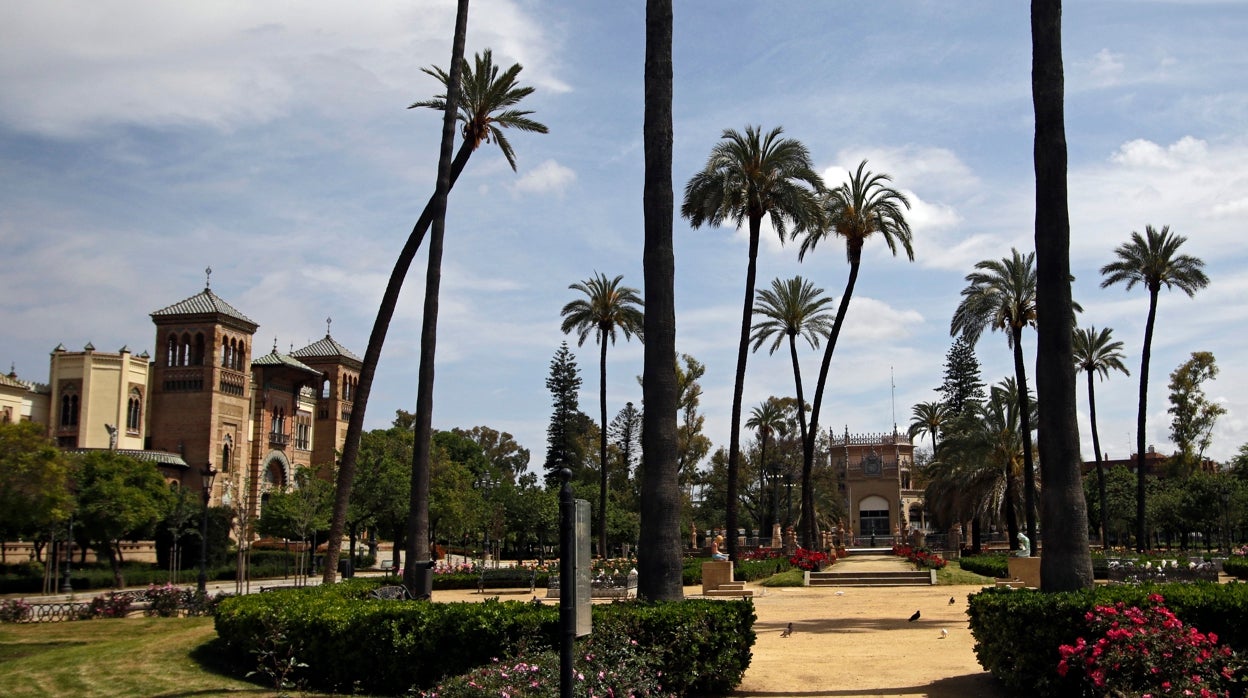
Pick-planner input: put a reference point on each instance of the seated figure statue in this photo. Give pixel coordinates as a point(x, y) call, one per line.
point(1024, 546)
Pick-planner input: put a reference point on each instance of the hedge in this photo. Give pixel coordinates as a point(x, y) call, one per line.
point(1236, 566)
point(987, 565)
point(1017, 631)
point(351, 643)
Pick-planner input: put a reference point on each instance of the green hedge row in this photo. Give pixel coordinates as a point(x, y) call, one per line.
point(1236, 566)
point(987, 565)
point(1018, 632)
point(351, 643)
point(744, 571)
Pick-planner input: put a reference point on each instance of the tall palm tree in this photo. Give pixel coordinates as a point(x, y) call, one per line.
point(748, 177)
point(1095, 352)
point(863, 207)
point(1001, 295)
point(606, 308)
point(485, 107)
point(927, 418)
point(766, 419)
point(792, 308)
point(659, 559)
point(1152, 260)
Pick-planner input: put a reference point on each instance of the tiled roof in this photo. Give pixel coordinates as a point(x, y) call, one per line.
point(275, 359)
point(158, 457)
point(204, 302)
point(327, 347)
point(10, 382)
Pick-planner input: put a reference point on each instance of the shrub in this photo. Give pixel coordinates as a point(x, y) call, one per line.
point(1236, 565)
point(14, 611)
point(787, 578)
point(810, 560)
point(110, 605)
point(921, 558)
point(987, 565)
point(760, 568)
point(164, 601)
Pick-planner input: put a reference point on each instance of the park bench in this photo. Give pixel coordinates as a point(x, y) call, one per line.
point(603, 586)
point(506, 578)
point(392, 593)
point(387, 565)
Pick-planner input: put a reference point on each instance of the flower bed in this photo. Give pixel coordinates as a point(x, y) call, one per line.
point(811, 560)
point(921, 558)
point(1158, 571)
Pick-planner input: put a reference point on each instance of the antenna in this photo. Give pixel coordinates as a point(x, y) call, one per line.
point(893, 384)
point(208, 282)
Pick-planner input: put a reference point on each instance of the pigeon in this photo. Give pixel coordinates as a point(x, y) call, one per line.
point(952, 601)
point(944, 633)
point(914, 617)
point(840, 593)
point(787, 631)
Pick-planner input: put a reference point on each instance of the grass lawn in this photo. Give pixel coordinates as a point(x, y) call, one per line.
point(954, 574)
point(114, 657)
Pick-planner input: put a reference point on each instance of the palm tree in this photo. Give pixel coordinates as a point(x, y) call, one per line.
point(792, 308)
point(927, 418)
point(1154, 261)
point(659, 559)
point(1002, 295)
point(766, 419)
point(606, 307)
point(485, 107)
point(1095, 352)
point(749, 177)
point(862, 207)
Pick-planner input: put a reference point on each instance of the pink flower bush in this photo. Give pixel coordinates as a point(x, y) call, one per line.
point(811, 560)
point(1148, 652)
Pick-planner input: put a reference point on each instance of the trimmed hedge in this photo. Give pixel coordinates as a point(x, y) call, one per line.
point(351, 643)
point(987, 565)
point(1018, 631)
point(1236, 566)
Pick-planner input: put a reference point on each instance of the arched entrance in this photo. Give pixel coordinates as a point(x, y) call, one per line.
point(873, 517)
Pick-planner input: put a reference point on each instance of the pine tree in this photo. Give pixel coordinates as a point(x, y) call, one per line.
point(625, 433)
point(963, 384)
point(562, 443)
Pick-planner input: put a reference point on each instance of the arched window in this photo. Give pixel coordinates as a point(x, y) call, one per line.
point(69, 407)
point(134, 411)
point(197, 357)
point(873, 514)
point(171, 351)
point(184, 350)
point(227, 450)
point(225, 352)
point(325, 387)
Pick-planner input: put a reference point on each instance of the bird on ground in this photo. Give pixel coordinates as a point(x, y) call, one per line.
point(914, 617)
point(952, 601)
point(944, 633)
point(840, 593)
point(787, 631)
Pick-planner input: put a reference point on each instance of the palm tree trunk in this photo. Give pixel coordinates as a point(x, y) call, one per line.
point(762, 483)
point(602, 446)
point(418, 518)
point(1100, 465)
point(807, 527)
point(1141, 529)
point(738, 388)
point(1029, 468)
point(1011, 515)
point(659, 561)
point(1066, 564)
point(797, 380)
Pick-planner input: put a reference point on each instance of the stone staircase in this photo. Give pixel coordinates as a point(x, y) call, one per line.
point(717, 580)
point(729, 589)
point(864, 578)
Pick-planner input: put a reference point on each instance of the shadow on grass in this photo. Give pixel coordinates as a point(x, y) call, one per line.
point(214, 657)
point(10, 651)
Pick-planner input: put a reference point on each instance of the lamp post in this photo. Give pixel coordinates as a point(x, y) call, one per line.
point(66, 586)
point(208, 474)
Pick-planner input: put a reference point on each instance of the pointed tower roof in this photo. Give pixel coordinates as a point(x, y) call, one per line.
point(205, 303)
point(326, 348)
point(274, 358)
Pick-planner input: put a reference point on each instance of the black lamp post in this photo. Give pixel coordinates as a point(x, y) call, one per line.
point(66, 587)
point(208, 474)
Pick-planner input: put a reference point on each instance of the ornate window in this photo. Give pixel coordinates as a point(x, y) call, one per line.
point(227, 453)
point(325, 383)
point(134, 411)
point(69, 406)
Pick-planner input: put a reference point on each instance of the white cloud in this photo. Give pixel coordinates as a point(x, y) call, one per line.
point(549, 177)
point(1105, 68)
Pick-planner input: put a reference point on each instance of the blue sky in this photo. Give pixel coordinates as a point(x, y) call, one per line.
point(141, 142)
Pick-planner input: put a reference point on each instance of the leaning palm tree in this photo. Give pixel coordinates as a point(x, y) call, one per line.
point(1154, 261)
point(766, 419)
point(1001, 295)
point(927, 418)
point(1095, 352)
point(792, 308)
point(858, 209)
point(485, 106)
point(749, 177)
point(606, 308)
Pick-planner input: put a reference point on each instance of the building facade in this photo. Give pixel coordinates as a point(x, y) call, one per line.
point(881, 498)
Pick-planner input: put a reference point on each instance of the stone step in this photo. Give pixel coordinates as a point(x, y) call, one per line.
point(916, 578)
point(730, 593)
point(731, 586)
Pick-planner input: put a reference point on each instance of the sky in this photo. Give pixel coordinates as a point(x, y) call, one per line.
point(142, 142)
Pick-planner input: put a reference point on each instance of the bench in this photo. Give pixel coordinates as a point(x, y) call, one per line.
point(387, 565)
point(391, 593)
point(506, 578)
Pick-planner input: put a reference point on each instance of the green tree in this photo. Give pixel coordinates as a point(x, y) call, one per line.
point(861, 208)
point(749, 177)
point(767, 419)
point(962, 385)
point(606, 308)
point(500, 448)
point(299, 513)
point(1192, 414)
point(562, 435)
point(34, 481)
point(119, 498)
point(1152, 260)
point(486, 105)
point(691, 444)
point(792, 308)
point(927, 418)
point(1097, 353)
point(625, 433)
point(1001, 295)
point(381, 494)
point(659, 561)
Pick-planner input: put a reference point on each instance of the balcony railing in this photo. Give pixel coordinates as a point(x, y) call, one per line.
point(278, 439)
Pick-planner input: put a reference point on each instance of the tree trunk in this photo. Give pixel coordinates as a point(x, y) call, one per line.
point(1024, 422)
point(659, 561)
point(1100, 465)
point(1066, 564)
point(797, 380)
point(602, 446)
point(738, 389)
point(418, 521)
point(807, 528)
point(1141, 529)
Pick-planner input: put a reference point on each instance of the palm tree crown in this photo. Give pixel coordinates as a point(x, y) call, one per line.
point(1154, 261)
point(1096, 353)
point(1001, 294)
point(858, 209)
point(483, 93)
point(792, 308)
point(750, 176)
point(606, 308)
point(927, 418)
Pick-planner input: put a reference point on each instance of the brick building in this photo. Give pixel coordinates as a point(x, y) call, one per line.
point(880, 497)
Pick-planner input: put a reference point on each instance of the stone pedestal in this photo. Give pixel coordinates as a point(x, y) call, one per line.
point(716, 574)
point(1026, 570)
point(776, 538)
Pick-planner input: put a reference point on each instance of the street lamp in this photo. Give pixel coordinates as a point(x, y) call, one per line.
point(208, 474)
point(66, 587)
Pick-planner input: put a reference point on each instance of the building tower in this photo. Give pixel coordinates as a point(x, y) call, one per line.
point(335, 396)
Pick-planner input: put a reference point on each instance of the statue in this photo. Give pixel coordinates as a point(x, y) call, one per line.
point(1024, 546)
